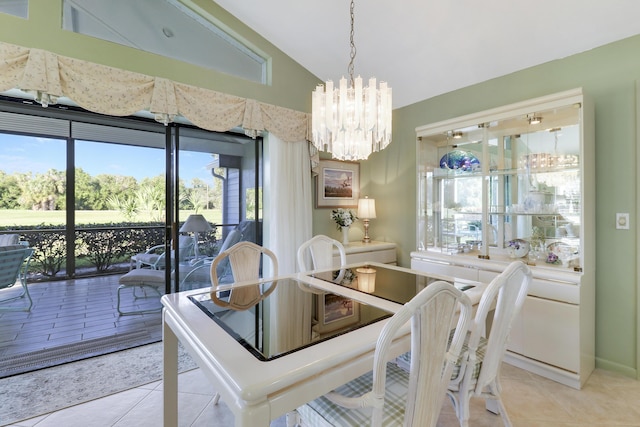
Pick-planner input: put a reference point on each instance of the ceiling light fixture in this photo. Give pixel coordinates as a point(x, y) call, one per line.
point(351, 122)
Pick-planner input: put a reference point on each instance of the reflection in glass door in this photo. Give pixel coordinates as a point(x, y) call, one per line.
point(218, 190)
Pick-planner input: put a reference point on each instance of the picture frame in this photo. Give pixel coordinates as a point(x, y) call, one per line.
point(336, 312)
point(337, 184)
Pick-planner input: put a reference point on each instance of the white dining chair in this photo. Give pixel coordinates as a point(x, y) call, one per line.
point(246, 262)
point(477, 374)
point(389, 395)
point(317, 253)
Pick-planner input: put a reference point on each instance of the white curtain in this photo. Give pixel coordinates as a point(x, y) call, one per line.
point(289, 225)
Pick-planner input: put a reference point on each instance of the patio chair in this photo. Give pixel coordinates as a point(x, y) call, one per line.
point(9, 239)
point(389, 395)
point(143, 279)
point(14, 264)
point(155, 257)
point(477, 374)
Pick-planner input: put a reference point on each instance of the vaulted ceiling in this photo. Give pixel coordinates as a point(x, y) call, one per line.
point(423, 48)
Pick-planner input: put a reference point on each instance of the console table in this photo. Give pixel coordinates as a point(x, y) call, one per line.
point(374, 251)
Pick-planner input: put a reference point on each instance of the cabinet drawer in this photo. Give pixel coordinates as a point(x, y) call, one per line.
point(434, 267)
point(548, 331)
point(387, 256)
point(558, 290)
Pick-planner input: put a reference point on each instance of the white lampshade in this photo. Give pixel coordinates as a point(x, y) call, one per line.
point(366, 279)
point(366, 208)
point(195, 223)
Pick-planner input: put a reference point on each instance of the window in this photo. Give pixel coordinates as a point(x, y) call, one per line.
point(19, 8)
point(168, 28)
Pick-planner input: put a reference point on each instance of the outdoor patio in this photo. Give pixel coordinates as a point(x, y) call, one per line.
point(68, 313)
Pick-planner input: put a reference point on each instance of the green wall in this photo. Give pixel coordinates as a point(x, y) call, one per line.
point(608, 74)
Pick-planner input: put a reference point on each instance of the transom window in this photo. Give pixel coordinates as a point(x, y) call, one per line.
point(167, 28)
point(19, 8)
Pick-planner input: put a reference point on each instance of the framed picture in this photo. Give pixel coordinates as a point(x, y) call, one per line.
point(338, 184)
point(336, 312)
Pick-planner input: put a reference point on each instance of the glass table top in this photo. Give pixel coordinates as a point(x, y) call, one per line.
point(275, 318)
point(394, 284)
point(303, 319)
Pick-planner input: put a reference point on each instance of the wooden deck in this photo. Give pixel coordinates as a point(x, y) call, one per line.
point(70, 311)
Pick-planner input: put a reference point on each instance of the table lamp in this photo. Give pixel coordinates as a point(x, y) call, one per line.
point(366, 211)
point(195, 224)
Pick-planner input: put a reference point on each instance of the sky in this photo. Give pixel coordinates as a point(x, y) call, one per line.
point(38, 155)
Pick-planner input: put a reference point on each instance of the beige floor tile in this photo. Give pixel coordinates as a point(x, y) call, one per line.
point(608, 399)
point(96, 413)
point(148, 413)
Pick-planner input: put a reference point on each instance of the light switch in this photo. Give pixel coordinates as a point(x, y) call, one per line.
point(622, 221)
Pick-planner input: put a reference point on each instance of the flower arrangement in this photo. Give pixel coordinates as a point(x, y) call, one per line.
point(552, 258)
point(343, 217)
point(347, 279)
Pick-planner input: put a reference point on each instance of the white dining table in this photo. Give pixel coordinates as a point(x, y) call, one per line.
point(259, 384)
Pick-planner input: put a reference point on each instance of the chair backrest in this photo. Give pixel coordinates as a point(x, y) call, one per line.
point(505, 295)
point(9, 239)
point(433, 312)
point(186, 246)
point(245, 259)
point(12, 258)
point(320, 250)
point(232, 238)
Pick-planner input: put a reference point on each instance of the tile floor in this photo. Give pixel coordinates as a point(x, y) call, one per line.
point(608, 399)
point(68, 311)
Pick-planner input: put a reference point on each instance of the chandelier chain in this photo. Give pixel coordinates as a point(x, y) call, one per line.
point(350, 68)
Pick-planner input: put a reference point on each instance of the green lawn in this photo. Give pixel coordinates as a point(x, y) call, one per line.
point(18, 218)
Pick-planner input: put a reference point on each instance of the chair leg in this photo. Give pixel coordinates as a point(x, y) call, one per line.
point(494, 404)
point(25, 292)
point(293, 419)
point(461, 407)
point(126, 313)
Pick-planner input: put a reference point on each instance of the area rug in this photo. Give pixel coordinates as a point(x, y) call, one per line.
point(40, 392)
point(25, 362)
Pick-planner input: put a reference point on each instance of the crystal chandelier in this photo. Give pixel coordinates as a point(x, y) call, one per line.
point(351, 122)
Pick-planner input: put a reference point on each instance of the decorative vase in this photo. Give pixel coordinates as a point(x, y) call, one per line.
point(518, 248)
point(345, 235)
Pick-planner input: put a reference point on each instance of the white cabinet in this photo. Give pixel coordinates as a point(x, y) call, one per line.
point(494, 181)
point(374, 251)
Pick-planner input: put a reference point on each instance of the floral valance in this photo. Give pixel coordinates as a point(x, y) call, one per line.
point(107, 90)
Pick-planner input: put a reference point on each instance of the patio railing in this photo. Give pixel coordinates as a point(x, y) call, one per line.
point(97, 248)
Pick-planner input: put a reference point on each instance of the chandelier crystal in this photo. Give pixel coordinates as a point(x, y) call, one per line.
point(351, 121)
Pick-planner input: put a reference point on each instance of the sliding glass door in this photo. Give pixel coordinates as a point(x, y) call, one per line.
point(217, 189)
point(91, 193)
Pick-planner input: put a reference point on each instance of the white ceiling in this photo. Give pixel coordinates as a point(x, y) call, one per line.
point(424, 48)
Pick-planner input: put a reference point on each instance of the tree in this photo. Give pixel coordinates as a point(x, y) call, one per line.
point(115, 186)
point(87, 191)
point(150, 197)
point(42, 191)
point(198, 195)
point(9, 191)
